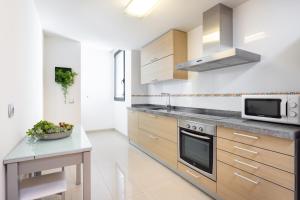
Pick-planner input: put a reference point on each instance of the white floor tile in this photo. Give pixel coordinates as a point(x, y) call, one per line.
point(122, 172)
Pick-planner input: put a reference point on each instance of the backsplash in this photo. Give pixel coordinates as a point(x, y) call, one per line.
point(225, 101)
point(217, 95)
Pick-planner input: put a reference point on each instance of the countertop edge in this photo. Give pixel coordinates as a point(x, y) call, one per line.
point(284, 131)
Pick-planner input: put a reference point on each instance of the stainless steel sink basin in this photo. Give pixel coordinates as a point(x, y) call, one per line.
point(158, 109)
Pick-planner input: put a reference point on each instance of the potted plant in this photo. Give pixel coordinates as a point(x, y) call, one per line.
point(65, 77)
point(48, 131)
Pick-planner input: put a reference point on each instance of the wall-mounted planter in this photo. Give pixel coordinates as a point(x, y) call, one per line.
point(65, 77)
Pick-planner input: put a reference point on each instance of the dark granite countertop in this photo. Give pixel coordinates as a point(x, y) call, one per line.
point(227, 119)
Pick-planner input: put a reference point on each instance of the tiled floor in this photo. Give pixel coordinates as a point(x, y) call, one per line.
point(121, 172)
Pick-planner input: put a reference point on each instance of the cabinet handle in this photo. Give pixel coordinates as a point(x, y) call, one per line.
point(197, 136)
point(247, 150)
point(154, 80)
point(152, 137)
point(153, 116)
point(245, 178)
point(247, 136)
point(153, 60)
point(243, 163)
point(191, 173)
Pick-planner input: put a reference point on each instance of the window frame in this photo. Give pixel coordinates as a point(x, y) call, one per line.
point(115, 75)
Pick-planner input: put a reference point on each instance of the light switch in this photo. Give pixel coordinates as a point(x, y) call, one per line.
point(11, 110)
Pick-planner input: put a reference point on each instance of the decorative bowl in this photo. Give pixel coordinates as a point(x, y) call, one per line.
point(55, 136)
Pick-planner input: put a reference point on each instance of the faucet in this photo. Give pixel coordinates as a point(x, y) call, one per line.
point(168, 104)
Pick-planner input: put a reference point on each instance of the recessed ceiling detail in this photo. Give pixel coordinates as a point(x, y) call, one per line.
point(140, 8)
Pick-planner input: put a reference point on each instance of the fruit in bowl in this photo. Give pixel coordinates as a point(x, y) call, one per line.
point(49, 131)
point(65, 126)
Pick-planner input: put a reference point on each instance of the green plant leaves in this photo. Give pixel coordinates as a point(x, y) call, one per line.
point(65, 79)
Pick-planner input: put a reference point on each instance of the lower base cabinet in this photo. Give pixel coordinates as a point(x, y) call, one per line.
point(198, 178)
point(235, 184)
point(164, 149)
point(133, 129)
point(239, 176)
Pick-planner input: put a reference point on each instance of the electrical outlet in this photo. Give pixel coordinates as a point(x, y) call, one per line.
point(11, 110)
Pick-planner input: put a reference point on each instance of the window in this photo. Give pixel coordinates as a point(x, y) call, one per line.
point(119, 65)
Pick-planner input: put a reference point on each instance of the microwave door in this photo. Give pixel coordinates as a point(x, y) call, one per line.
point(283, 108)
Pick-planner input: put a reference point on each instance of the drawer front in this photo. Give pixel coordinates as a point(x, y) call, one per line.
point(274, 175)
point(198, 178)
point(133, 125)
point(262, 141)
point(163, 149)
point(234, 184)
point(158, 49)
point(164, 127)
point(267, 157)
point(160, 70)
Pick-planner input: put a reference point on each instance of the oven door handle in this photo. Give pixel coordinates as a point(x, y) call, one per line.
point(197, 136)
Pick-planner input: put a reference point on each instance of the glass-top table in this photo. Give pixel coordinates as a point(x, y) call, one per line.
point(31, 155)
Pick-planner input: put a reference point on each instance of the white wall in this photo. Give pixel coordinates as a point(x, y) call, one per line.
point(136, 87)
point(120, 107)
point(97, 88)
point(278, 71)
point(21, 74)
point(61, 52)
point(132, 86)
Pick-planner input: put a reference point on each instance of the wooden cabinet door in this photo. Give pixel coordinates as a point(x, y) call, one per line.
point(159, 147)
point(274, 159)
point(133, 127)
point(164, 127)
point(159, 58)
point(235, 184)
point(266, 172)
point(276, 144)
point(158, 71)
point(198, 178)
point(160, 48)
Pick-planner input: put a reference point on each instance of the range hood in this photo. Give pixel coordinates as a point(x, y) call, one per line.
point(218, 43)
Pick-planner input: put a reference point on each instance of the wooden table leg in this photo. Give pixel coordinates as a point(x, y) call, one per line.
point(12, 182)
point(87, 175)
point(78, 174)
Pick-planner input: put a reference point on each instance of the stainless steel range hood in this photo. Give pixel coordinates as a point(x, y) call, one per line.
point(218, 43)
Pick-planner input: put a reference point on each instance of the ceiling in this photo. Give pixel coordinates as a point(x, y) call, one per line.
point(104, 24)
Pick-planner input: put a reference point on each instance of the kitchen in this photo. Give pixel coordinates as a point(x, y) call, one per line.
point(208, 99)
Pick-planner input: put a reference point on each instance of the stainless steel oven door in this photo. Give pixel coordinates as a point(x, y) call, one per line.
point(198, 151)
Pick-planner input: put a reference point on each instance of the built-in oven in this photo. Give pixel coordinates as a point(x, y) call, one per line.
point(197, 147)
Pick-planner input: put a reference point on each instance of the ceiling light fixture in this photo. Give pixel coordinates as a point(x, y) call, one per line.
point(140, 8)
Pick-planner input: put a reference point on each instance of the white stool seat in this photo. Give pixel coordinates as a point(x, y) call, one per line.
point(43, 186)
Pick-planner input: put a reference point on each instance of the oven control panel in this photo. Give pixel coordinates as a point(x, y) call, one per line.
point(198, 127)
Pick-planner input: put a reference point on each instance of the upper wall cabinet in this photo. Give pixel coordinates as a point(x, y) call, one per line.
point(159, 58)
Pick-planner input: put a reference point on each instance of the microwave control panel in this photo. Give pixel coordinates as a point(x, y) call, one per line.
point(293, 109)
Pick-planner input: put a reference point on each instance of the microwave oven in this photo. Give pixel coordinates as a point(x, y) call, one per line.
point(272, 108)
